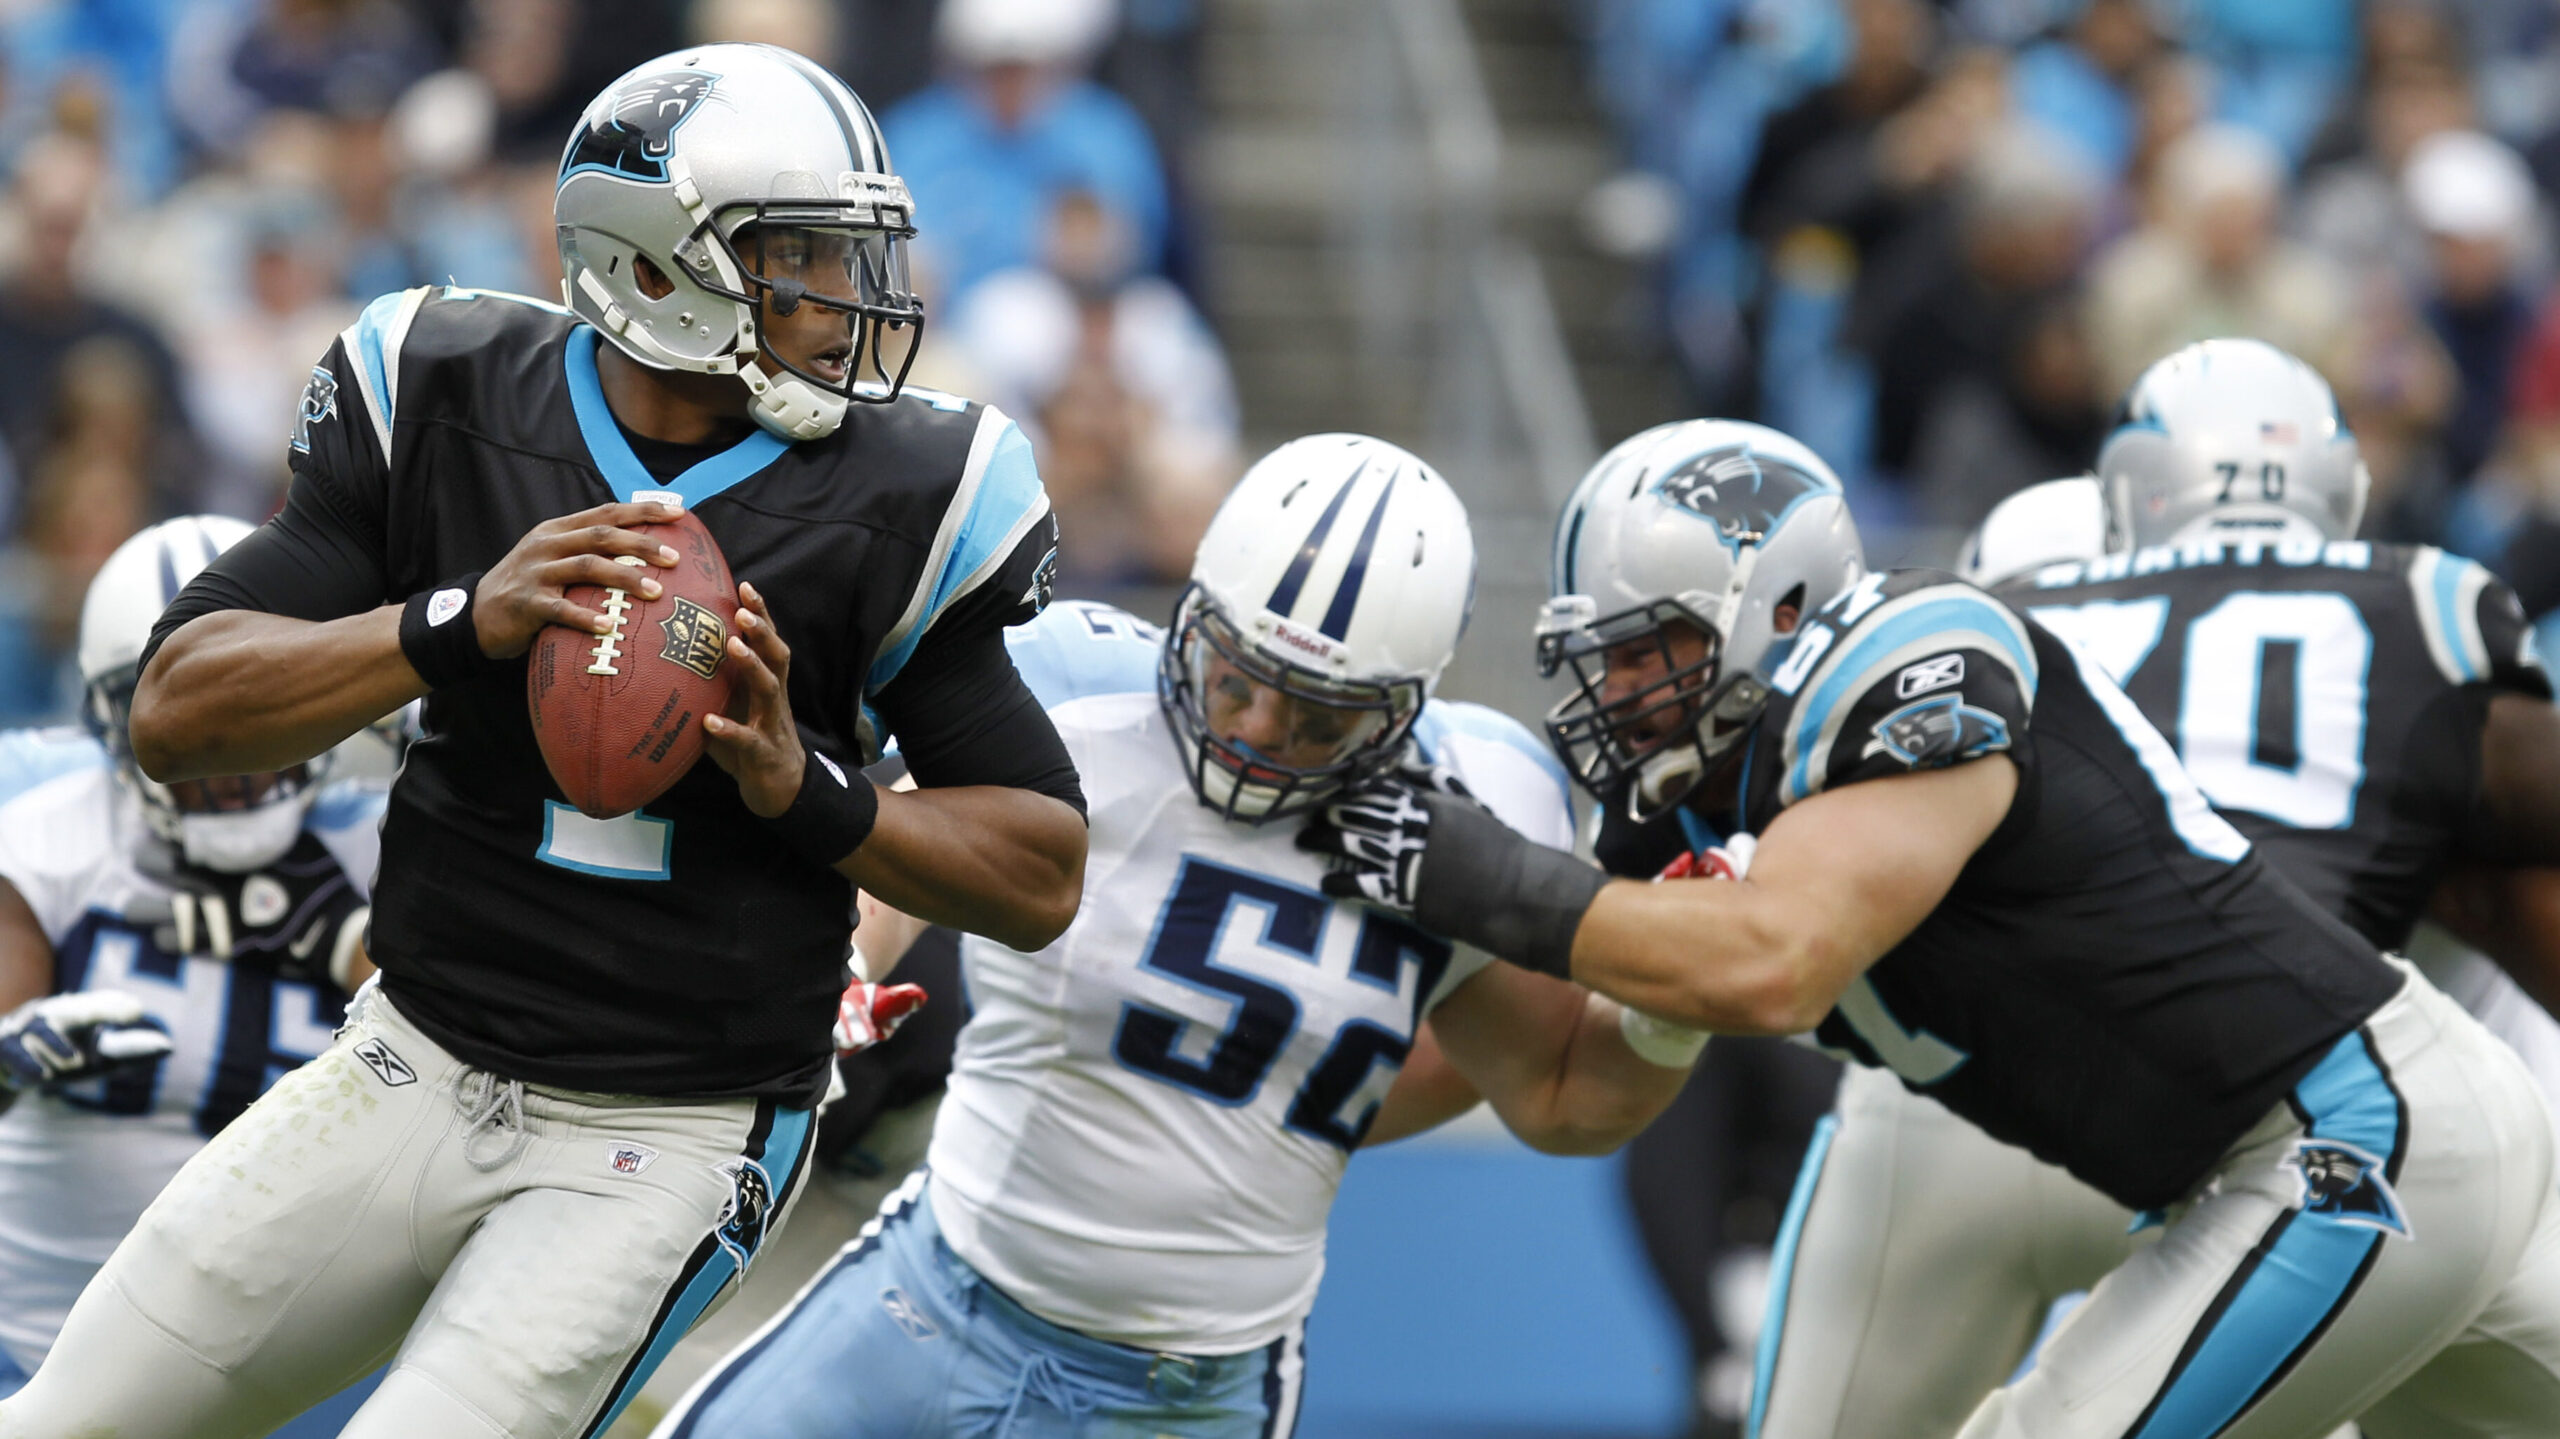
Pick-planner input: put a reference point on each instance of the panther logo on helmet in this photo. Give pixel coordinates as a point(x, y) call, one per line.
point(1744, 494)
point(635, 138)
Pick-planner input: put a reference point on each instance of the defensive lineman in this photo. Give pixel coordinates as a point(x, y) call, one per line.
point(1981, 867)
point(563, 1123)
point(2339, 701)
point(1121, 1223)
point(167, 953)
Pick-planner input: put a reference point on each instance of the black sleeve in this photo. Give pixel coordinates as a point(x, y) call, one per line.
point(962, 716)
point(322, 556)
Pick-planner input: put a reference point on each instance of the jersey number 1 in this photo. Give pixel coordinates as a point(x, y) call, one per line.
point(1205, 897)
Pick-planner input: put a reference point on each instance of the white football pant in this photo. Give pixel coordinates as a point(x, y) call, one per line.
point(524, 1256)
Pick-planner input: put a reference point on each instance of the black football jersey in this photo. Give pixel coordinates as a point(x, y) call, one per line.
point(2328, 699)
point(682, 949)
point(2117, 982)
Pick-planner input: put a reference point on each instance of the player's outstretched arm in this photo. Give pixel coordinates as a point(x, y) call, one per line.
point(1553, 1060)
point(989, 859)
point(1838, 880)
point(281, 647)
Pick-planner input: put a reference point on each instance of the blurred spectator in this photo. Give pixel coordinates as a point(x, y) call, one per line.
point(233, 63)
point(2079, 85)
point(89, 488)
point(2473, 199)
point(1123, 388)
point(886, 49)
point(2212, 264)
point(543, 60)
point(247, 359)
point(2516, 515)
point(2352, 208)
point(1983, 379)
point(104, 58)
point(47, 310)
point(2279, 64)
point(988, 149)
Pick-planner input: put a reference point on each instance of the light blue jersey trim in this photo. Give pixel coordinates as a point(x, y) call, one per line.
point(1007, 500)
point(2446, 614)
point(1444, 718)
point(1959, 616)
point(612, 453)
point(372, 330)
point(1077, 649)
point(551, 853)
point(1773, 1319)
point(30, 757)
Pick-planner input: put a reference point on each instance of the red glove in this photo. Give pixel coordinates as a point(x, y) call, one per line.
point(1730, 860)
point(869, 1013)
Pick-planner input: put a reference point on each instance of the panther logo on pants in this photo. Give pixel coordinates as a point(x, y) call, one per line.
point(2348, 1185)
point(742, 1220)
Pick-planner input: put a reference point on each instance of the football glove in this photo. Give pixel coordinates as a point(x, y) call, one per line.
point(301, 914)
point(1375, 832)
point(61, 1038)
point(869, 1013)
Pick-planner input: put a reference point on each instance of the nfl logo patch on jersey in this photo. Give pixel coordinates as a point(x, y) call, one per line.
point(629, 1158)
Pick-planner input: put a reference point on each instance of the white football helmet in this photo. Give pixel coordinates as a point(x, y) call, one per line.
point(2231, 439)
point(2040, 525)
point(1708, 523)
point(1339, 573)
point(734, 173)
point(234, 825)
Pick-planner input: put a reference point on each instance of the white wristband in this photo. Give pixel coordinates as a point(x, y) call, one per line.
point(1659, 1041)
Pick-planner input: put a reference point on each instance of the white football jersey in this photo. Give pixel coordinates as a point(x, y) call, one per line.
point(1147, 1120)
point(77, 1167)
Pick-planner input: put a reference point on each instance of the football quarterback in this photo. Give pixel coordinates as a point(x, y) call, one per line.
point(579, 1099)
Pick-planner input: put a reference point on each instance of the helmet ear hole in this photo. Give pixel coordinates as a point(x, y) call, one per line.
point(653, 281)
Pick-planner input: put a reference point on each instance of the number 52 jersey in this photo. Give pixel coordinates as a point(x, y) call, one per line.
point(1147, 1121)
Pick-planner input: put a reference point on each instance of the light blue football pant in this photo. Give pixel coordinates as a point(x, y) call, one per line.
point(899, 1338)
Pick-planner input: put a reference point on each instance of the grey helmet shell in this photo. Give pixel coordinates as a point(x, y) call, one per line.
point(2231, 438)
point(670, 161)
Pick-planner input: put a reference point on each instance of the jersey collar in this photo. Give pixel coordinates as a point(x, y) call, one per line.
point(612, 453)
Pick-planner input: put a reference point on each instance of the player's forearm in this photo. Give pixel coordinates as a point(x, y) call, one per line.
point(1429, 1091)
point(238, 691)
point(1602, 1093)
point(1711, 954)
point(26, 956)
point(986, 859)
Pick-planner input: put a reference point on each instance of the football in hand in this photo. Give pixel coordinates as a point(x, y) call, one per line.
point(619, 715)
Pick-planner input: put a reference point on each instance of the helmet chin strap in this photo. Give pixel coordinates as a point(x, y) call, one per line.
point(790, 407)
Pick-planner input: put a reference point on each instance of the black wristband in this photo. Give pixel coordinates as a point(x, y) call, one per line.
point(1484, 884)
point(438, 637)
point(833, 812)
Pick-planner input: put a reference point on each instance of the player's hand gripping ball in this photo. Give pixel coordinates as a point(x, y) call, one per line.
point(619, 715)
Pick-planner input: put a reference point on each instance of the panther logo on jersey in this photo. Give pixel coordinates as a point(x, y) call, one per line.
point(1743, 494)
point(637, 134)
point(2348, 1185)
point(319, 402)
point(1939, 731)
point(743, 1218)
point(696, 638)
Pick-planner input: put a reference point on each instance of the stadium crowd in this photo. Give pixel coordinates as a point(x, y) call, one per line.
point(200, 193)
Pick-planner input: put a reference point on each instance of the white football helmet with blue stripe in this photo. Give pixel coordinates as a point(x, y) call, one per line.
point(2236, 439)
point(1709, 524)
point(1340, 572)
point(722, 176)
point(243, 825)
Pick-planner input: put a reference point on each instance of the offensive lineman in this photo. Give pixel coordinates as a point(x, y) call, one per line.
point(562, 1124)
point(165, 954)
point(2340, 702)
point(1978, 865)
point(1121, 1221)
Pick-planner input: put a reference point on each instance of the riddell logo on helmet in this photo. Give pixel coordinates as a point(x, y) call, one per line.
point(1298, 639)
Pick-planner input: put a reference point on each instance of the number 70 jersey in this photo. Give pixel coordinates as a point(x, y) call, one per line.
point(2327, 698)
point(1147, 1120)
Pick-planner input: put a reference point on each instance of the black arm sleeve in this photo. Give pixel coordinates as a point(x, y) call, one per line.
point(962, 716)
point(308, 563)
